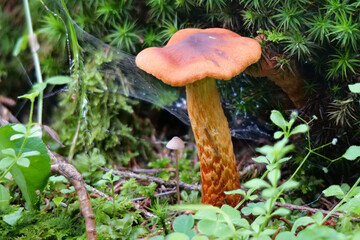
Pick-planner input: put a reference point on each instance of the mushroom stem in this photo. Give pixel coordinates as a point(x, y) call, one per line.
point(211, 130)
point(177, 177)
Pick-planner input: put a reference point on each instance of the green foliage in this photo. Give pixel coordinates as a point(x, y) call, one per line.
point(124, 36)
point(19, 224)
point(107, 124)
point(24, 155)
point(306, 32)
point(162, 163)
point(65, 223)
point(132, 189)
point(227, 223)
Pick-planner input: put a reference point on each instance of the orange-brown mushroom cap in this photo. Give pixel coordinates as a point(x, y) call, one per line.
point(193, 54)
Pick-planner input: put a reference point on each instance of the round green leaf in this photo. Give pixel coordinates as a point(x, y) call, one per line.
point(177, 236)
point(285, 236)
point(29, 179)
point(183, 223)
point(352, 153)
point(334, 190)
point(301, 222)
point(355, 88)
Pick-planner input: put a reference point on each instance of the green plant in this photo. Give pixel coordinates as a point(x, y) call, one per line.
point(132, 189)
point(227, 223)
point(111, 178)
point(24, 155)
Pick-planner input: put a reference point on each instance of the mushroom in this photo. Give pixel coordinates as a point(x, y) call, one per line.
point(176, 144)
point(290, 81)
point(194, 58)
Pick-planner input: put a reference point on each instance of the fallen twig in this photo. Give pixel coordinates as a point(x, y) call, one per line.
point(70, 172)
point(100, 193)
point(170, 183)
point(155, 195)
point(7, 101)
point(312, 210)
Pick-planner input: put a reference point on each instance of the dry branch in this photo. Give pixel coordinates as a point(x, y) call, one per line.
point(75, 178)
point(170, 183)
point(312, 210)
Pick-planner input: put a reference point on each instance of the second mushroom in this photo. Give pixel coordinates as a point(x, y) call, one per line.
point(195, 58)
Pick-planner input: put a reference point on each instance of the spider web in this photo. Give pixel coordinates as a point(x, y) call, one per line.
point(129, 80)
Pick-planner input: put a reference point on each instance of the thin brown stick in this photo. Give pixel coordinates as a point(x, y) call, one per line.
point(155, 195)
point(100, 193)
point(47, 205)
point(7, 101)
point(75, 178)
point(312, 210)
point(170, 183)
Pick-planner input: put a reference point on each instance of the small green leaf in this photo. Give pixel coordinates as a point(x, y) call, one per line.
point(256, 183)
point(355, 88)
point(59, 80)
point(274, 176)
point(269, 192)
point(352, 153)
point(234, 216)
point(353, 206)
point(38, 87)
point(237, 191)
point(30, 96)
point(281, 212)
point(207, 227)
point(302, 128)
point(177, 236)
point(12, 218)
point(24, 162)
point(214, 228)
point(35, 132)
point(261, 159)
point(277, 118)
point(58, 200)
point(70, 190)
point(30, 153)
point(183, 223)
point(250, 206)
point(289, 185)
point(334, 190)
point(284, 159)
point(301, 222)
point(4, 197)
point(253, 197)
point(56, 179)
point(5, 162)
point(278, 134)
point(21, 128)
point(204, 214)
point(16, 136)
point(10, 152)
point(318, 217)
point(20, 44)
point(285, 236)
